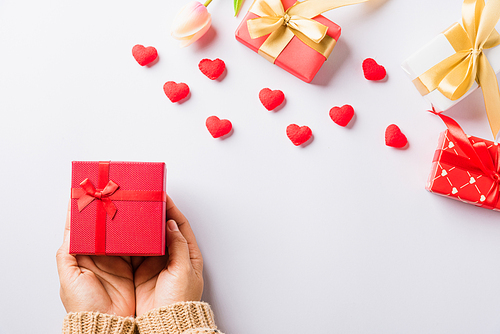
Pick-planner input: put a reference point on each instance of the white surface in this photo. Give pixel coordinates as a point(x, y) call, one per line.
point(336, 237)
point(430, 55)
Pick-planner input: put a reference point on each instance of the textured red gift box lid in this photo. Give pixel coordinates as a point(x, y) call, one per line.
point(138, 227)
point(297, 58)
point(454, 182)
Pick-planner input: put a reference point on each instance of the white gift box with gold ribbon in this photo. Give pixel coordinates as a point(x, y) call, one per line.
point(460, 59)
point(434, 52)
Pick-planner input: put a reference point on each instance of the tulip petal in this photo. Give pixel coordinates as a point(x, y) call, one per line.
point(193, 38)
point(192, 18)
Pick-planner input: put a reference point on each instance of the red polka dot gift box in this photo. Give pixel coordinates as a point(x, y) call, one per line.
point(291, 34)
point(466, 168)
point(118, 208)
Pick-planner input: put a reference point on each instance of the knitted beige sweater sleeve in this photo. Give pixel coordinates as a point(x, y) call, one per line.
point(97, 323)
point(179, 318)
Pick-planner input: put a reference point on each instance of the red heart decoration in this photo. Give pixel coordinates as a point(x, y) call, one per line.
point(394, 137)
point(372, 70)
point(144, 55)
point(218, 127)
point(271, 99)
point(298, 134)
point(212, 68)
point(176, 91)
point(342, 115)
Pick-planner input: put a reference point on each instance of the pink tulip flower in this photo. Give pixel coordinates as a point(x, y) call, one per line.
point(192, 22)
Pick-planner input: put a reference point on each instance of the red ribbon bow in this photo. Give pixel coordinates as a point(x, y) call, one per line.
point(480, 159)
point(91, 194)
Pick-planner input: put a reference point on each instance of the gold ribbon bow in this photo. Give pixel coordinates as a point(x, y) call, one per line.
point(454, 76)
point(295, 21)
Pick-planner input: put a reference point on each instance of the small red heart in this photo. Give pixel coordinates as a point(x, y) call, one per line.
point(212, 68)
point(298, 134)
point(372, 70)
point(271, 99)
point(394, 137)
point(144, 55)
point(342, 115)
point(218, 127)
point(176, 91)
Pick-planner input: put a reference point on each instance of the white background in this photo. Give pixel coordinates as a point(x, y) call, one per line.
point(339, 236)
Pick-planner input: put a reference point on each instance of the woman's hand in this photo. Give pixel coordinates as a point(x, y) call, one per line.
point(176, 277)
point(95, 283)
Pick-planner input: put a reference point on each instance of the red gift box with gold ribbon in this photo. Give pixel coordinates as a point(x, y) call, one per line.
point(291, 34)
point(466, 168)
point(118, 208)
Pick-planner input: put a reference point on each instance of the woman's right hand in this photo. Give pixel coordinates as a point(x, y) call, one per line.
point(95, 283)
point(175, 277)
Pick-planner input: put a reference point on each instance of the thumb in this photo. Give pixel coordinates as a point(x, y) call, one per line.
point(67, 265)
point(178, 250)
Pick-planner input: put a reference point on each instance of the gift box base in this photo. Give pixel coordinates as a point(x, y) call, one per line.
point(138, 228)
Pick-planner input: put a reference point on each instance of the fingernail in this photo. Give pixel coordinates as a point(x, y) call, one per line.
point(172, 225)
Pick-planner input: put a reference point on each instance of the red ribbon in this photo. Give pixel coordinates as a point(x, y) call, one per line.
point(480, 159)
point(107, 192)
point(91, 194)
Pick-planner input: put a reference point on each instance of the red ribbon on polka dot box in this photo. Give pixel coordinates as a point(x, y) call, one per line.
point(466, 168)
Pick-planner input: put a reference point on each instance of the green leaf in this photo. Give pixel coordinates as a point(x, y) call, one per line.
point(237, 6)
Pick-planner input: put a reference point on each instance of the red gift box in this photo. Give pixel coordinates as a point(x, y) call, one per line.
point(118, 208)
point(466, 168)
point(297, 58)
